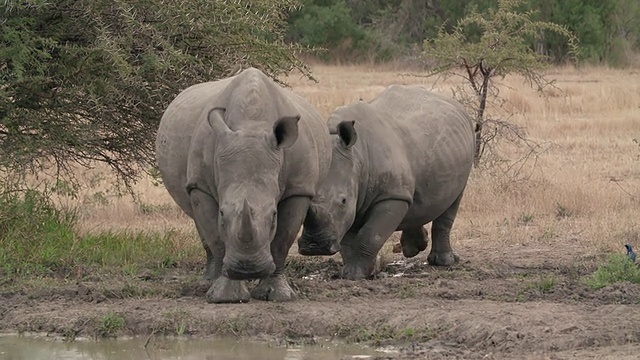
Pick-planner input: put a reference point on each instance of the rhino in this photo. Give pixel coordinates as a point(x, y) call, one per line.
point(243, 157)
point(399, 162)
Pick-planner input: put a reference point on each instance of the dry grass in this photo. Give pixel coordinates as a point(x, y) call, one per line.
point(586, 186)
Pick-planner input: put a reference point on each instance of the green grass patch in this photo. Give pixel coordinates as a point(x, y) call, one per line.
point(546, 283)
point(526, 218)
point(542, 284)
point(409, 291)
point(421, 334)
point(176, 322)
point(36, 238)
point(618, 268)
point(111, 323)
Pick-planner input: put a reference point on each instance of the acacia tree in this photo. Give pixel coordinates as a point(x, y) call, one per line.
point(483, 47)
point(87, 80)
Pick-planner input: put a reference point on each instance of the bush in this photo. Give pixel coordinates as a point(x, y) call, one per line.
point(33, 233)
point(618, 268)
point(329, 26)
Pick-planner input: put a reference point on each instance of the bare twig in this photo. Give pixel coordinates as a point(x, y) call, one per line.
point(617, 183)
point(146, 343)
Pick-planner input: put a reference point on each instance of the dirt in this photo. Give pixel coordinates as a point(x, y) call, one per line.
point(499, 302)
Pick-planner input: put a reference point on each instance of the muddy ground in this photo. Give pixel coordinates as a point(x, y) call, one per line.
point(500, 302)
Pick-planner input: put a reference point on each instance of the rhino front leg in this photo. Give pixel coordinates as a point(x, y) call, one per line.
point(222, 289)
point(441, 253)
point(291, 213)
point(359, 250)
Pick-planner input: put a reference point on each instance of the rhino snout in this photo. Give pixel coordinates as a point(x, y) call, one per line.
point(247, 268)
point(315, 245)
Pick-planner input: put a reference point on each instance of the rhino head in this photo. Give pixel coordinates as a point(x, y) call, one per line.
point(246, 165)
point(333, 209)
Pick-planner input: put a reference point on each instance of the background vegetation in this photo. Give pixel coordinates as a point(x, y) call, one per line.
point(609, 31)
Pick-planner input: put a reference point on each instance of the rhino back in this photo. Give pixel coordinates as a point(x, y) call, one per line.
point(431, 129)
point(420, 147)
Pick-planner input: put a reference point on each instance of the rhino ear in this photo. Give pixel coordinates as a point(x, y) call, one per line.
point(346, 131)
point(216, 120)
point(285, 131)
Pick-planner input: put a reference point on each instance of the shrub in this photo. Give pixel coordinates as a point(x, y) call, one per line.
point(618, 268)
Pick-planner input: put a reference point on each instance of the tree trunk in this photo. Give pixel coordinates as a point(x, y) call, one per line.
point(484, 90)
point(476, 158)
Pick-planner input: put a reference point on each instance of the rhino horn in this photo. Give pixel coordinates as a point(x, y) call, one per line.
point(247, 223)
point(216, 120)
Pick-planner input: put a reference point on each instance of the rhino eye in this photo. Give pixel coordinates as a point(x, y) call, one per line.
point(343, 200)
point(221, 220)
point(274, 218)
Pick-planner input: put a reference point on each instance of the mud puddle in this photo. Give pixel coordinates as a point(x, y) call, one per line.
point(15, 347)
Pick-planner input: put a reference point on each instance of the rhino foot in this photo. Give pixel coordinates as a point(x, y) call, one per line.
point(359, 271)
point(442, 259)
point(274, 288)
point(413, 242)
point(224, 290)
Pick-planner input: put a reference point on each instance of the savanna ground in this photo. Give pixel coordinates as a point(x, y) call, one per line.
point(529, 241)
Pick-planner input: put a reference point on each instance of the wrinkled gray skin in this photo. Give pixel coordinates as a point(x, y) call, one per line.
point(399, 162)
point(243, 156)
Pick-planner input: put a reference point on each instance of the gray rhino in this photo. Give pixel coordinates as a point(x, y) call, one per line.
point(243, 156)
point(406, 165)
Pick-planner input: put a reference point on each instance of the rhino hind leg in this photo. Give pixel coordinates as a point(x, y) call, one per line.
point(221, 289)
point(291, 213)
point(414, 241)
point(441, 253)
